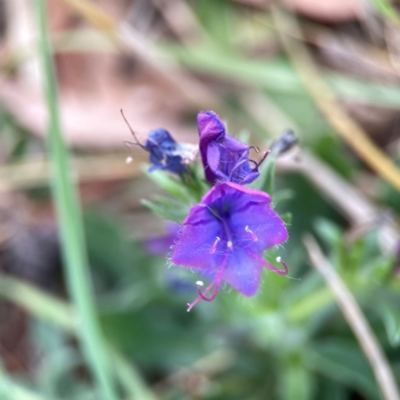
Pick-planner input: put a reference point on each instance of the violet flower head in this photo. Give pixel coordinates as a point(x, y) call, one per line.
point(165, 152)
point(225, 159)
point(225, 235)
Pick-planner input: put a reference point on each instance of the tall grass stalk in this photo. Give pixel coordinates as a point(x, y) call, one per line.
point(70, 224)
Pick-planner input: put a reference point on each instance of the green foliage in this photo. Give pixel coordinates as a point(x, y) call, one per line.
point(288, 342)
point(344, 362)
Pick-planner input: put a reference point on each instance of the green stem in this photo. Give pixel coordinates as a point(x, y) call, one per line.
point(70, 223)
point(310, 305)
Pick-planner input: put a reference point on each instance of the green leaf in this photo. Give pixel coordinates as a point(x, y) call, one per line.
point(387, 306)
point(329, 232)
point(283, 195)
point(344, 362)
point(167, 208)
point(171, 184)
point(266, 180)
point(296, 383)
point(333, 151)
point(287, 218)
point(107, 243)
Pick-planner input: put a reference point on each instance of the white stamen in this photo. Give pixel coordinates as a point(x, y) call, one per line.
point(199, 283)
point(214, 246)
point(253, 235)
point(229, 244)
point(128, 160)
point(278, 259)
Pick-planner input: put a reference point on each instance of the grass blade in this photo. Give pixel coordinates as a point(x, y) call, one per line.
point(70, 225)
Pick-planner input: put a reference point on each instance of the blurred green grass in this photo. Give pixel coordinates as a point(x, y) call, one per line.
point(290, 341)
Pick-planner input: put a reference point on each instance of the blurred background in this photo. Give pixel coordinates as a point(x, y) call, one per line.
point(329, 70)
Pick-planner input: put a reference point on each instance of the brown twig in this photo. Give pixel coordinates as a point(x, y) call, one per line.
point(356, 320)
point(35, 171)
point(344, 196)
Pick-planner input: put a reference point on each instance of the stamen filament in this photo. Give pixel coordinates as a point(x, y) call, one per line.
point(253, 235)
point(269, 266)
point(262, 160)
point(216, 283)
point(214, 246)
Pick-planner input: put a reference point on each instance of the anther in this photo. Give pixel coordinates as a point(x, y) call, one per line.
point(253, 235)
point(214, 246)
point(230, 245)
point(128, 160)
point(284, 265)
point(199, 283)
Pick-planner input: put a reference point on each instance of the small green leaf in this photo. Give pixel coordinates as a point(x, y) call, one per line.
point(344, 362)
point(387, 306)
point(170, 184)
point(287, 218)
point(329, 232)
point(167, 208)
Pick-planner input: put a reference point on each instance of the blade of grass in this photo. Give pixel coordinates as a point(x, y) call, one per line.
point(58, 312)
point(70, 224)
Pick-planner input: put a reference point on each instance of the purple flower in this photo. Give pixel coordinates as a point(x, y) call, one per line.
point(165, 152)
point(225, 159)
point(224, 238)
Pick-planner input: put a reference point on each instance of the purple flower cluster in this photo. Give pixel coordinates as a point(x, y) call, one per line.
point(225, 235)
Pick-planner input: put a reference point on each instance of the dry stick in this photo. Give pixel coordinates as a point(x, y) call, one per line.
point(351, 132)
point(346, 198)
point(356, 321)
point(35, 171)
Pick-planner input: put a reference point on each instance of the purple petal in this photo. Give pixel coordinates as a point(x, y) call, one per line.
point(224, 157)
point(235, 145)
point(243, 272)
point(213, 158)
point(199, 235)
point(210, 126)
